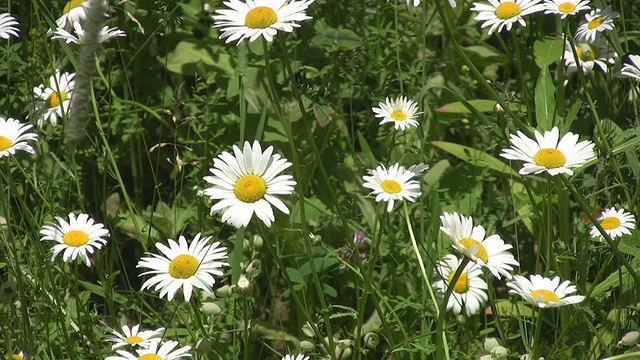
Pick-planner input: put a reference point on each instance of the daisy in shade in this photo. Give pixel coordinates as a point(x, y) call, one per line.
point(165, 352)
point(565, 8)
point(73, 11)
point(544, 292)
point(184, 266)
point(133, 337)
point(106, 33)
point(469, 291)
point(53, 101)
point(14, 136)
point(248, 182)
point(257, 18)
point(8, 26)
point(392, 184)
point(295, 357)
point(597, 21)
point(490, 252)
point(499, 14)
point(402, 112)
point(75, 238)
point(632, 69)
point(615, 223)
point(547, 153)
point(589, 54)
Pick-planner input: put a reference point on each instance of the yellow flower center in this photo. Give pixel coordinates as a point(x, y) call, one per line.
point(476, 248)
point(183, 266)
point(55, 99)
point(75, 238)
point(150, 357)
point(567, 7)
point(391, 186)
point(260, 17)
point(595, 23)
point(610, 223)
point(14, 357)
point(250, 188)
point(71, 5)
point(508, 10)
point(462, 285)
point(134, 339)
point(544, 296)
point(5, 143)
point(398, 116)
point(550, 158)
point(587, 52)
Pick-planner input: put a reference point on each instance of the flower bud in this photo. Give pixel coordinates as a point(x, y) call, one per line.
point(498, 109)
point(307, 346)
point(371, 340)
point(223, 291)
point(490, 343)
point(629, 339)
point(203, 346)
point(254, 269)
point(499, 353)
point(243, 287)
point(308, 330)
point(210, 309)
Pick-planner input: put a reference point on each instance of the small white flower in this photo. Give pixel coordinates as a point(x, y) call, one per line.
point(544, 292)
point(547, 153)
point(615, 223)
point(597, 21)
point(392, 184)
point(132, 336)
point(73, 11)
point(164, 353)
point(8, 26)
point(53, 101)
point(76, 238)
point(469, 292)
point(106, 33)
point(402, 112)
point(499, 14)
point(632, 70)
point(14, 136)
point(565, 8)
point(589, 54)
point(295, 357)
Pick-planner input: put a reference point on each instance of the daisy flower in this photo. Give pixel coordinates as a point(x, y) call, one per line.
point(106, 33)
point(544, 292)
point(132, 336)
point(615, 223)
point(8, 26)
point(248, 183)
point(392, 184)
point(632, 70)
point(469, 292)
point(547, 153)
point(597, 21)
point(589, 54)
point(20, 356)
point(153, 353)
point(565, 8)
point(14, 136)
point(295, 357)
point(501, 14)
point(76, 238)
point(257, 18)
point(53, 101)
point(402, 112)
point(73, 11)
point(490, 252)
point(183, 266)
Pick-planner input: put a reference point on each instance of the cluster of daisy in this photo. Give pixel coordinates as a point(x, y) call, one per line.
point(74, 14)
point(147, 344)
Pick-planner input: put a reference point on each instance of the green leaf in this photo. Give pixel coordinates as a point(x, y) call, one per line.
point(547, 51)
point(612, 281)
point(476, 157)
point(571, 116)
point(193, 56)
point(295, 275)
point(99, 290)
point(545, 100)
point(481, 105)
point(333, 39)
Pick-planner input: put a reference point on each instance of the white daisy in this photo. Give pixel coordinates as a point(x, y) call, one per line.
point(544, 292)
point(184, 266)
point(490, 252)
point(615, 223)
point(20, 356)
point(248, 183)
point(565, 8)
point(8, 26)
point(106, 33)
point(392, 184)
point(402, 112)
point(589, 54)
point(164, 353)
point(257, 18)
point(53, 101)
point(504, 13)
point(631, 70)
point(13, 137)
point(295, 357)
point(469, 292)
point(597, 21)
point(133, 337)
point(77, 237)
point(73, 11)
point(547, 154)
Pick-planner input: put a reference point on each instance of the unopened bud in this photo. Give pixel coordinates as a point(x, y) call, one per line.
point(498, 109)
point(307, 346)
point(203, 346)
point(243, 287)
point(499, 353)
point(210, 309)
point(254, 269)
point(629, 339)
point(223, 291)
point(371, 340)
point(490, 343)
point(308, 330)
point(315, 239)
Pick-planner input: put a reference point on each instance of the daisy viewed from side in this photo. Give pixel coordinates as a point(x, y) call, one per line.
point(392, 184)
point(632, 69)
point(255, 18)
point(183, 266)
point(20, 356)
point(8, 26)
point(597, 21)
point(469, 292)
point(615, 223)
point(248, 183)
point(565, 8)
point(547, 153)
point(402, 112)
point(53, 101)
point(295, 357)
point(75, 238)
point(499, 14)
point(73, 11)
point(589, 54)
point(544, 292)
point(490, 252)
point(14, 137)
point(133, 337)
point(106, 33)
point(165, 352)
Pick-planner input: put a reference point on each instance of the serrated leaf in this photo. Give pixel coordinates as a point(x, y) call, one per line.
point(476, 157)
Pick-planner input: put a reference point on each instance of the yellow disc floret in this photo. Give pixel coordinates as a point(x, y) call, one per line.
point(567, 8)
point(587, 52)
point(55, 99)
point(5, 143)
point(399, 116)
point(260, 17)
point(610, 223)
point(544, 296)
point(550, 158)
point(183, 266)
point(508, 10)
point(250, 188)
point(462, 285)
point(134, 339)
point(595, 23)
point(75, 238)
point(391, 186)
point(71, 5)
point(476, 248)
point(150, 357)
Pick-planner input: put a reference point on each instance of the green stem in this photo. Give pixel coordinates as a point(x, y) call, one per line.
point(536, 337)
